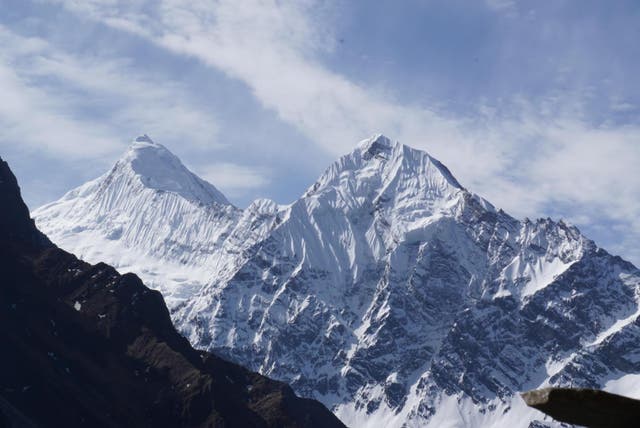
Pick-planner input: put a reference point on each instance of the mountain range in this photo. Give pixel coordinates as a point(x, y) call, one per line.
point(387, 291)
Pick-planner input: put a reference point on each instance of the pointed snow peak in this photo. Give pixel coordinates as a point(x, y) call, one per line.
point(144, 139)
point(157, 168)
point(144, 145)
point(376, 145)
point(381, 147)
point(150, 159)
point(382, 168)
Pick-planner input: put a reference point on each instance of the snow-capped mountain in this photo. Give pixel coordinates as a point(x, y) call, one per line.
point(150, 215)
point(387, 291)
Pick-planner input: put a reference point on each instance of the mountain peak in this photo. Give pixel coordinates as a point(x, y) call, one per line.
point(383, 174)
point(377, 145)
point(145, 146)
point(157, 168)
point(380, 145)
point(144, 142)
point(15, 222)
point(144, 138)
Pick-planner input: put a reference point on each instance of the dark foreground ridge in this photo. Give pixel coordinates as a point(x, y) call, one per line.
point(585, 407)
point(83, 345)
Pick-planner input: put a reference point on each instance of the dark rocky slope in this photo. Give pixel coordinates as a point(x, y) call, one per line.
point(83, 345)
point(585, 407)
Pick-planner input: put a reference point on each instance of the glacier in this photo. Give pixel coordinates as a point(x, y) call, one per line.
point(388, 291)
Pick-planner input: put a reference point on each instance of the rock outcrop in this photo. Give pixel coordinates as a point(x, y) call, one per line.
point(586, 407)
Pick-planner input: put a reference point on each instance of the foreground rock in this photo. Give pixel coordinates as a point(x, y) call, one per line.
point(586, 407)
point(83, 345)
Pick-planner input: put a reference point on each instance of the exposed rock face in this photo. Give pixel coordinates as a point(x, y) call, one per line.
point(586, 407)
point(85, 346)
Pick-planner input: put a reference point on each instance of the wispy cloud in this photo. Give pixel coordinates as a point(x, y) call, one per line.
point(235, 180)
point(48, 91)
point(272, 47)
point(30, 115)
point(501, 5)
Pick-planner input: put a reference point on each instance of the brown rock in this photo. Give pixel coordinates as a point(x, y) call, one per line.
point(585, 407)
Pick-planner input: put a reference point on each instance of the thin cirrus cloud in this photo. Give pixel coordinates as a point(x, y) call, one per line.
point(270, 46)
point(54, 89)
point(531, 156)
point(33, 116)
point(501, 5)
point(234, 180)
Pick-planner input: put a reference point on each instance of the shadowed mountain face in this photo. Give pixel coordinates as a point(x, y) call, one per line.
point(86, 346)
point(585, 407)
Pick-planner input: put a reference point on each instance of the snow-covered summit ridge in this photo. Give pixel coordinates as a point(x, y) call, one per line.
point(378, 166)
point(377, 144)
point(381, 145)
point(405, 189)
point(157, 168)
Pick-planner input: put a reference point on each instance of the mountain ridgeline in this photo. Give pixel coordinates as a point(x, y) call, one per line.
point(387, 291)
point(85, 346)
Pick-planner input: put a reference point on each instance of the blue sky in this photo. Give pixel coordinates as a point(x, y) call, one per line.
point(533, 105)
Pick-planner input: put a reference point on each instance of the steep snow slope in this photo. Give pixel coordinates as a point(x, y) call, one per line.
point(149, 215)
point(395, 296)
